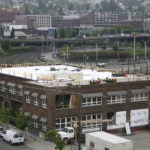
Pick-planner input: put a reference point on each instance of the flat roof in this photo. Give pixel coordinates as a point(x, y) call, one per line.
point(109, 137)
point(50, 75)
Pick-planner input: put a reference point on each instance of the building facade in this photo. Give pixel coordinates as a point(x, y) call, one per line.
point(8, 15)
point(55, 107)
point(105, 18)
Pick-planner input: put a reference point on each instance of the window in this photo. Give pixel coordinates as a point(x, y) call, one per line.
point(116, 99)
point(93, 124)
point(44, 105)
point(93, 101)
point(135, 97)
point(3, 87)
point(20, 91)
point(63, 101)
point(36, 123)
point(92, 144)
point(35, 101)
point(12, 89)
point(27, 98)
point(44, 126)
point(64, 122)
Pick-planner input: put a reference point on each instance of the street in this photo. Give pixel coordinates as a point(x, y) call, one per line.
point(6, 146)
point(140, 142)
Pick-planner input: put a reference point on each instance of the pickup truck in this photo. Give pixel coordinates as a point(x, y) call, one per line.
point(66, 134)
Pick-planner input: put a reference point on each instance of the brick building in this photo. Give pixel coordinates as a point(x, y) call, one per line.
point(137, 23)
point(71, 21)
point(55, 99)
point(8, 15)
point(102, 19)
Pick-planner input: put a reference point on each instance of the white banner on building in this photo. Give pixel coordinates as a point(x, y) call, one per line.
point(139, 117)
point(120, 120)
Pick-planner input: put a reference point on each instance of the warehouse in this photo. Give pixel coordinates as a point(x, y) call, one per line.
point(56, 95)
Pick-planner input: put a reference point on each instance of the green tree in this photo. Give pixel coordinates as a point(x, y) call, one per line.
point(55, 34)
point(70, 6)
point(1, 31)
point(22, 120)
point(57, 140)
point(97, 6)
point(62, 33)
point(115, 48)
point(12, 35)
point(5, 45)
point(61, 11)
point(5, 114)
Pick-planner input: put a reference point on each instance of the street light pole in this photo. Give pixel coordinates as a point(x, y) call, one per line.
point(96, 53)
point(134, 53)
point(134, 49)
point(145, 52)
point(84, 53)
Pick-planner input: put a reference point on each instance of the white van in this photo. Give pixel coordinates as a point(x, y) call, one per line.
point(13, 136)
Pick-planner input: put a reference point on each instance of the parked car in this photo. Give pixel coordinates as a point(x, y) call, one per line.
point(13, 136)
point(101, 64)
point(1, 131)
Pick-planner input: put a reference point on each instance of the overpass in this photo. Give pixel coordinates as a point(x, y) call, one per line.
point(39, 41)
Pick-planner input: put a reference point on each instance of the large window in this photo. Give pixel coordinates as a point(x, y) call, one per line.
point(135, 97)
point(35, 101)
point(20, 92)
point(36, 125)
point(44, 126)
point(116, 99)
point(44, 103)
point(63, 101)
point(93, 101)
point(91, 121)
point(27, 98)
point(12, 89)
point(64, 122)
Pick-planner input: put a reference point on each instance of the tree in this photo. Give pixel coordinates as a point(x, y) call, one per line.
point(115, 48)
point(57, 140)
point(55, 34)
point(12, 35)
point(62, 33)
point(97, 6)
point(70, 6)
point(1, 31)
point(5, 114)
point(61, 11)
point(22, 120)
point(5, 45)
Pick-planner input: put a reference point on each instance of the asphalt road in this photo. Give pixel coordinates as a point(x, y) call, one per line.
point(21, 58)
point(6, 146)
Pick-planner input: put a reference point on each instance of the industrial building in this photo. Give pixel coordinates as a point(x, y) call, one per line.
point(55, 95)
